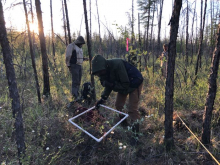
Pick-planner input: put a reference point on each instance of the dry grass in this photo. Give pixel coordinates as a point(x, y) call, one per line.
point(51, 139)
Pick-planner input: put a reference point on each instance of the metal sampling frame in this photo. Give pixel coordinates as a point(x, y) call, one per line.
point(100, 139)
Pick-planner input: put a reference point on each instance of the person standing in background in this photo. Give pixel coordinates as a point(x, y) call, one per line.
point(74, 60)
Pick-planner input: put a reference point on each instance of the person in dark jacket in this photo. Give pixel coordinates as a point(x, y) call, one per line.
point(74, 60)
point(125, 79)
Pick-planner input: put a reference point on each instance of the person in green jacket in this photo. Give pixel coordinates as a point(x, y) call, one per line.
point(125, 79)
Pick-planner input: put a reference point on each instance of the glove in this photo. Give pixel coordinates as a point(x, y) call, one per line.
point(107, 84)
point(101, 101)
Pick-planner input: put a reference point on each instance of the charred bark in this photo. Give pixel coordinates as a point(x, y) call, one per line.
point(199, 55)
point(52, 31)
point(46, 90)
point(159, 25)
point(89, 48)
point(32, 53)
point(169, 90)
point(64, 23)
point(67, 22)
point(207, 116)
point(13, 90)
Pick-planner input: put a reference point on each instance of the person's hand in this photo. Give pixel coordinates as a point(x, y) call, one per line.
point(97, 105)
point(69, 67)
point(107, 84)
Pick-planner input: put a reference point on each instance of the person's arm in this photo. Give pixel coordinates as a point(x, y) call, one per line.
point(68, 54)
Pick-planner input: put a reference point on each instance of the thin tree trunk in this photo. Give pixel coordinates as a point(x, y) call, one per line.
point(152, 24)
point(64, 23)
point(207, 116)
point(192, 34)
point(132, 24)
point(46, 90)
point(52, 31)
point(148, 25)
point(100, 39)
point(32, 53)
point(187, 35)
point(89, 47)
point(159, 26)
point(139, 41)
point(67, 21)
point(90, 13)
point(202, 25)
point(174, 22)
point(187, 40)
point(13, 90)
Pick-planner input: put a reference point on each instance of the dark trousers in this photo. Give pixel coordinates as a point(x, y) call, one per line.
point(76, 71)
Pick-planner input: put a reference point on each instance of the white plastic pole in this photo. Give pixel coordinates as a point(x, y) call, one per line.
point(98, 140)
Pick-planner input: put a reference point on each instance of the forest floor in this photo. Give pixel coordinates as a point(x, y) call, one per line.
point(51, 139)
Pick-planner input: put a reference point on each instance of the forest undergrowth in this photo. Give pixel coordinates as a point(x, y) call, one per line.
point(51, 139)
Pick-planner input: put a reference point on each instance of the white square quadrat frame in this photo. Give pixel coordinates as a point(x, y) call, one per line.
point(100, 139)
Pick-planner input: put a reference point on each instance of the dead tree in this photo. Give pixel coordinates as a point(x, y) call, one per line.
point(169, 90)
point(187, 36)
point(52, 31)
point(90, 21)
point(100, 39)
point(199, 55)
point(193, 20)
point(32, 53)
point(13, 90)
point(89, 47)
point(159, 25)
point(132, 24)
point(64, 23)
point(46, 90)
point(139, 41)
point(207, 116)
point(67, 21)
point(32, 20)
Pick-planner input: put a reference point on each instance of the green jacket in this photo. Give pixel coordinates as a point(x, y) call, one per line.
point(116, 73)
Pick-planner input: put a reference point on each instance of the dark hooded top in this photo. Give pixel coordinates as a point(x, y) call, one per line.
point(125, 77)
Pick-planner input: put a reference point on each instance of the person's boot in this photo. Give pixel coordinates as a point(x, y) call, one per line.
point(124, 123)
point(135, 131)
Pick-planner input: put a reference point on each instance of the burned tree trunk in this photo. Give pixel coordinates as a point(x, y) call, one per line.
point(64, 23)
point(89, 47)
point(187, 36)
point(199, 55)
point(52, 31)
point(32, 20)
point(174, 22)
point(100, 40)
point(46, 90)
point(32, 53)
point(13, 90)
point(186, 46)
point(132, 24)
point(67, 21)
point(194, 14)
point(139, 41)
point(159, 25)
point(207, 116)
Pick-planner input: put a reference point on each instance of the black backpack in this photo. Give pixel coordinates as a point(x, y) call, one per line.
point(86, 92)
point(134, 75)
